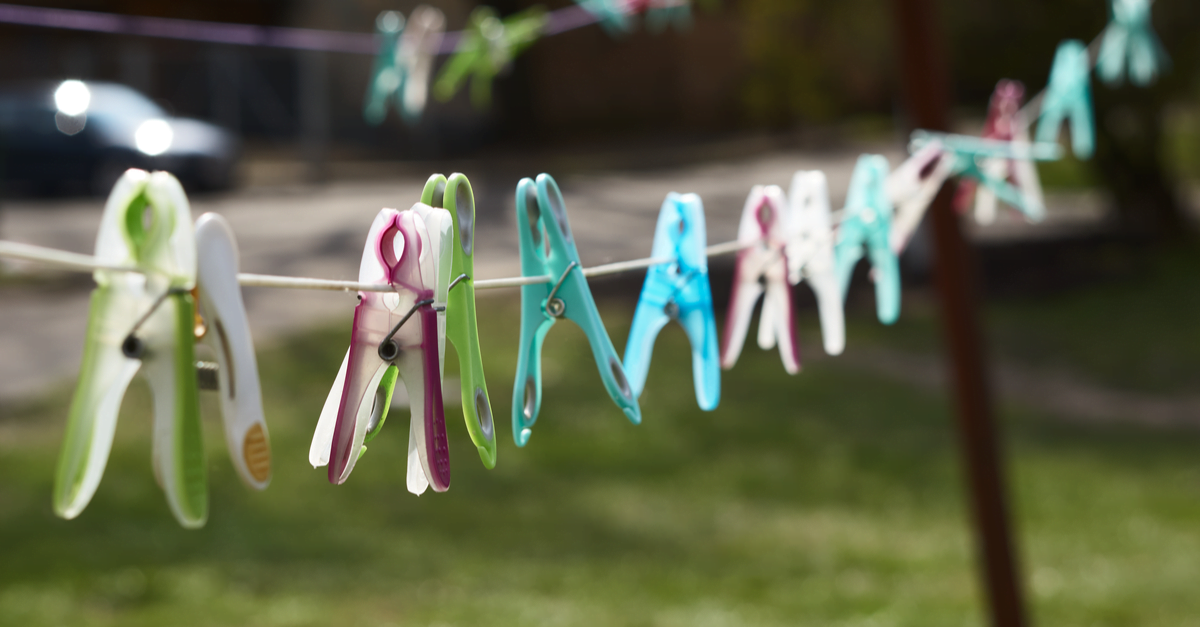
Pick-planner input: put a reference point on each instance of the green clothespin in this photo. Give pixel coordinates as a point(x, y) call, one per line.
point(403, 63)
point(140, 322)
point(1130, 36)
point(455, 195)
point(487, 47)
point(1069, 96)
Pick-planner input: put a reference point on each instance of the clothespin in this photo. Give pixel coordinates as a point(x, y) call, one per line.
point(403, 63)
point(678, 290)
point(455, 195)
point(762, 267)
point(548, 249)
point(968, 157)
point(1130, 37)
point(810, 253)
point(912, 186)
point(1004, 123)
point(226, 331)
point(140, 322)
point(487, 47)
point(867, 221)
point(613, 15)
point(394, 334)
point(1069, 96)
point(663, 13)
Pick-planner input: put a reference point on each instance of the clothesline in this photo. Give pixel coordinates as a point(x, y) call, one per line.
point(67, 260)
point(319, 40)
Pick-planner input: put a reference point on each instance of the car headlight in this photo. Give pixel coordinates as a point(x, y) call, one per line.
point(153, 137)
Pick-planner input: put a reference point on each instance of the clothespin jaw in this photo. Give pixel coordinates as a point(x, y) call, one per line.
point(227, 333)
point(762, 270)
point(613, 15)
point(548, 249)
point(678, 290)
point(140, 322)
point(1069, 97)
point(1130, 40)
point(809, 252)
point(462, 330)
point(866, 222)
point(487, 47)
point(393, 333)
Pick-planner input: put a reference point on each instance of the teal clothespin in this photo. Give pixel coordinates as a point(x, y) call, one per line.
point(403, 63)
point(663, 13)
point(542, 222)
point(612, 15)
point(1069, 96)
point(1130, 37)
point(487, 47)
point(867, 221)
point(971, 155)
point(385, 75)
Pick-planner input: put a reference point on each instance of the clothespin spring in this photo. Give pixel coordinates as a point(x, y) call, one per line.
point(132, 347)
point(388, 348)
point(555, 306)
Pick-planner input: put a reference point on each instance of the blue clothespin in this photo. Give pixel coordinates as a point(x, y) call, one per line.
point(678, 290)
point(403, 63)
point(1069, 96)
point(542, 219)
point(613, 17)
point(867, 221)
point(1130, 36)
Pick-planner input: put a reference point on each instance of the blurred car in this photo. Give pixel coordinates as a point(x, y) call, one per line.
point(73, 135)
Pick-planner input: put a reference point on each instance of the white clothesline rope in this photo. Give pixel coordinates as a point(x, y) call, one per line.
point(86, 263)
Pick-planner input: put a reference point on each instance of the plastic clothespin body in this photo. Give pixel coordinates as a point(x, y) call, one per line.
point(398, 253)
point(1130, 41)
point(147, 224)
point(227, 333)
point(403, 63)
point(612, 15)
point(455, 195)
point(678, 290)
point(1004, 123)
point(913, 185)
point(1069, 97)
point(810, 253)
point(866, 222)
point(487, 47)
point(762, 268)
point(548, 249)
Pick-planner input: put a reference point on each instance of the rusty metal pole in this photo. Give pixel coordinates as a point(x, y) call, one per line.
point(927, 93)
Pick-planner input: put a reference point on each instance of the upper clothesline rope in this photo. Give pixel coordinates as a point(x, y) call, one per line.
point(318, 40)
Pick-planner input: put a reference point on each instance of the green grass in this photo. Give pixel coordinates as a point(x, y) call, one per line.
point(828, 498)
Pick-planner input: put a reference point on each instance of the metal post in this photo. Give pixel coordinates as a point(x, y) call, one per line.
point(926, 89)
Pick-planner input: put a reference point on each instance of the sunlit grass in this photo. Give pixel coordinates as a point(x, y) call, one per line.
point(829, 498)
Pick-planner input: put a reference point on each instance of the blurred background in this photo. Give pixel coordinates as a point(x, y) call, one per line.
point(834, 497)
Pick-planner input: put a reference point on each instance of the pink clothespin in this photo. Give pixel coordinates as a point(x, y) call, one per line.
point(394, 333)
point(762, 268)
point(1004, 123)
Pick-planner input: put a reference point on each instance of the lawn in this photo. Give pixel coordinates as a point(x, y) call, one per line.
point(828, 498)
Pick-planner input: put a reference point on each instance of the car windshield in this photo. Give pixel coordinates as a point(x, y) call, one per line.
point(109, 99)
